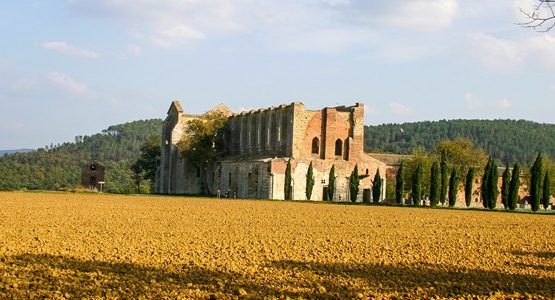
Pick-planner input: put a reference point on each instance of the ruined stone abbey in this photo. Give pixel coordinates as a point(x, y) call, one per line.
point(258, 146)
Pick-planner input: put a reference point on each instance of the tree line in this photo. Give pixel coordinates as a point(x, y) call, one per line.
point(509, 141)
point(59, 166)
point(428, 179)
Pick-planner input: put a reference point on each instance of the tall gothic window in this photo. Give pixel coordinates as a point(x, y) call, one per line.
point(315, 145)
point(338, 147)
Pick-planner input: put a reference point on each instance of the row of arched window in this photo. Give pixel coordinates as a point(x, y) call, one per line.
point(338, 147)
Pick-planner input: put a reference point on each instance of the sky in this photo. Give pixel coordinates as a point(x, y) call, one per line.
point(75, 67)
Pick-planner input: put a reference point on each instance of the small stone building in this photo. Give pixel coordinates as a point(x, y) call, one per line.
point(91, 174)
point(258, 144)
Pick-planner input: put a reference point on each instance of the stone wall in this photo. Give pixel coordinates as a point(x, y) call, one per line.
point(261, 133)
point(172, 174)
point(258, 144)
point(299, 168)
point(335, 133)
point(246, 179)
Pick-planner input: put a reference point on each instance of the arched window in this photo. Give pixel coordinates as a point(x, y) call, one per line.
point(338, 147)
point(315, 145)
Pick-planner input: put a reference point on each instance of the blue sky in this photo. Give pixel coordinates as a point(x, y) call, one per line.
point(73, 67)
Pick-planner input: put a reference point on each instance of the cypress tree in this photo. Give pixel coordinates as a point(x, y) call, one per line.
point(468, 186)
point(354, 182)
point(400, 183)
point(435, 184)
point(514, 186)
point(505, 187)
point(492, 182)
point(417, 185)
point(444, 178)
point(546, 190)
point(309, 181)
point(484, 186)
point(377, 187)
point(331, 185)
point(535, 181)
point(453, 188)
point(287, 184)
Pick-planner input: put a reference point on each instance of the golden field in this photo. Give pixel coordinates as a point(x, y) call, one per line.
point(107, 246)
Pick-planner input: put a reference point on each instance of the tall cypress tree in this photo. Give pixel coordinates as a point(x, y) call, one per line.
point(331, 185)
point(377, 187)
point(354, 182)
point(492, 182)
point(505, 187)
point(468, 186)
point(484, 189)
point(514, 187)
point(400, 183)
point(435, 184)
point(444, 179)
point(417, 185)
point(309, 181)
point(287, 183)
point(546, 190)
point(535, 181)
point(453, 187)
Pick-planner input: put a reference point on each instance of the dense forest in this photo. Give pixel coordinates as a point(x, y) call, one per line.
point(508, 141)
point(59, 166)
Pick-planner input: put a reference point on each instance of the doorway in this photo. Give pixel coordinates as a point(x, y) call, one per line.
point(366, 195)
point(92, 182)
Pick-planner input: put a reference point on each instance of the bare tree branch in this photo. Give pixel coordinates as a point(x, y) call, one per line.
point(540, 17)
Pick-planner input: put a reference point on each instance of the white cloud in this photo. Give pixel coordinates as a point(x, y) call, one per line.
point(134, 50)
point(423, 15)
point(320, 26)
point(66, 83)
point(541, 50)
point(23, 85)
point(472, 102)
point(553, 87)
point(70, 50)
point(536, 51)
point(173, 35)
point(494, 52)
point(504, 104)
point(400, 109)
point(337, 2)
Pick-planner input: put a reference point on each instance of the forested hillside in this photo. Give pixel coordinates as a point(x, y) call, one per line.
point(506, 140)
point(59, 166)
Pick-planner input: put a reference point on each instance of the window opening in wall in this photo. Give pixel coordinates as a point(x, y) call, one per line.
point(338, 147)
point(198, 172)
point(315, 145)
point(366, 171)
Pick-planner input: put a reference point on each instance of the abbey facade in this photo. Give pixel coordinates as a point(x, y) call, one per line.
point(258, 144)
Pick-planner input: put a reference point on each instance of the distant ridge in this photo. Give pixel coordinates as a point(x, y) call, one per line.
point(59, 166)
point(508, 141)
point(4, 152)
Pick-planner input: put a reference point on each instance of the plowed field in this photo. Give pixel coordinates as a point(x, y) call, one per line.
point(107, 246)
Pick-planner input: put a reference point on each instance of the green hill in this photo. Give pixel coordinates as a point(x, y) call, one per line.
point(506, 140)
point(55, 167)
